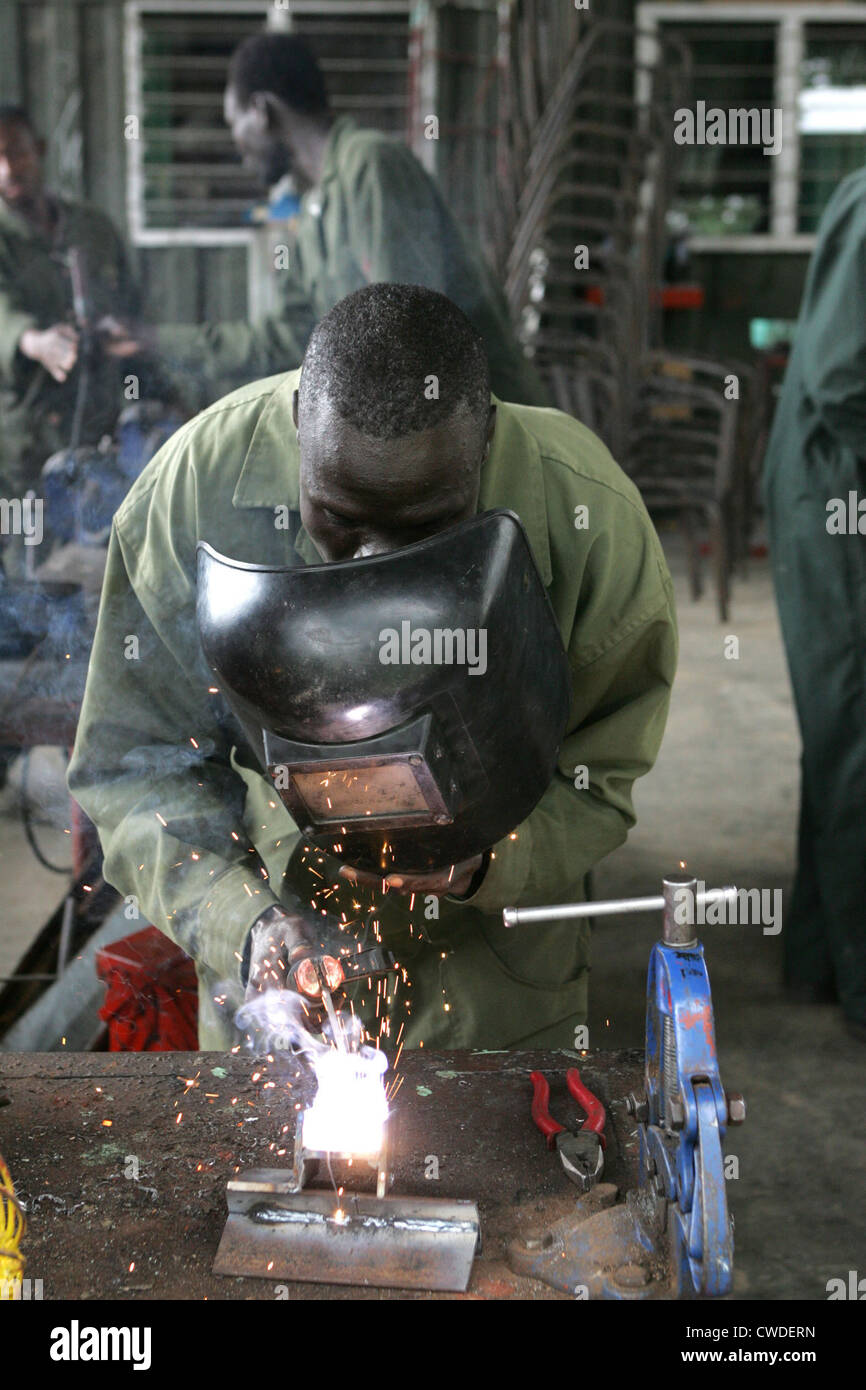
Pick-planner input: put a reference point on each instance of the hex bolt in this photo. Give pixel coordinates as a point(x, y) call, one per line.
point(637, 1106)
point(736, 1107)
point(676, 1113)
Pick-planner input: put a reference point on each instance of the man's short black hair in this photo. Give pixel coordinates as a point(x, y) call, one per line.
point(10, 114)
point(282, 64)
point(396, 359)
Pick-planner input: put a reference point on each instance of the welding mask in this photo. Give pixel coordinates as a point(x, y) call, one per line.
point(410, 706)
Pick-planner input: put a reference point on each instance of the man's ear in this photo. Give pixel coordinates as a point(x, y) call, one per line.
point(268, 108)
point(295, 408)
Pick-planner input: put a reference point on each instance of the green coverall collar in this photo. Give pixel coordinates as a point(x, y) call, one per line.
point(512, 476)
point(12, 221)
point(331, 164)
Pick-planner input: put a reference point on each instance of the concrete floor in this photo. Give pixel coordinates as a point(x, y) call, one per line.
point(723, 797)
point(30, 891)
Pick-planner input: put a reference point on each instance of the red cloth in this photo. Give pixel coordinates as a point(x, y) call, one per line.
point(151, 997)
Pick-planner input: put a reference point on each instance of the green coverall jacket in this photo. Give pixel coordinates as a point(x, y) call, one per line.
point(192, 831)
point(35, 292)
point(376, 215)
point(817, 457)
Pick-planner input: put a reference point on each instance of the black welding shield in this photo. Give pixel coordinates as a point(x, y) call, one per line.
point(410, 705)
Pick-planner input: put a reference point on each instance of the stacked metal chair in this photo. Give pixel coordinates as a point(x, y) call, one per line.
point(686, 451)
point(595, 168)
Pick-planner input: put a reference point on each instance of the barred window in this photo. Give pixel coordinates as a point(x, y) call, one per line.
point(184, 172)
point(807, 62)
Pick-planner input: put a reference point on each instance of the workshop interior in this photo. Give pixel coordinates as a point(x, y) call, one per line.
point(462, 809)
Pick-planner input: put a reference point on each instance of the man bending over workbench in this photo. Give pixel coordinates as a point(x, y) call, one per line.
point(352, 457)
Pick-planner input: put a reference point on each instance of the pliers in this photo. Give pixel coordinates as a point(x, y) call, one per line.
point(581, 1153)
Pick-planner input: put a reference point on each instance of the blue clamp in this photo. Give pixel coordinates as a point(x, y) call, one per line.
point(612, 1249)
point(685, 1115)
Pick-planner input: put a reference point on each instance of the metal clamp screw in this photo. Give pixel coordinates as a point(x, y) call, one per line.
point(736, 1107)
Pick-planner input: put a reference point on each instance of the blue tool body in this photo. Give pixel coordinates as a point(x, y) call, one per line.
point(687, 1110)
point(672, 1237)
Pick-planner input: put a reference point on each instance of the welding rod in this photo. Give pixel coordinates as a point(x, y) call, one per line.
point(336, 1026)
point(522, 916)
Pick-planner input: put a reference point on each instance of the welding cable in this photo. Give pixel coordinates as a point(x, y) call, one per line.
point(27, 820)
point(82, 391)
point(87, 345)
point(12, 1228)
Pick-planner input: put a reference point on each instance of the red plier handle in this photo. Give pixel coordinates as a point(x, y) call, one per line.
point(595, 1116)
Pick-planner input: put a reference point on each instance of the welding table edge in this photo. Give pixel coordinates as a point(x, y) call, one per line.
point(142, 1064)
point(472, 1097)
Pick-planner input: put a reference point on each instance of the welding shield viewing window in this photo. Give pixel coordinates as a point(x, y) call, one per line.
point(410, 705)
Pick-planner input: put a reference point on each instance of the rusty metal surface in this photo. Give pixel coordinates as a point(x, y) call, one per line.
point(135, 1208)
point(393, 1242)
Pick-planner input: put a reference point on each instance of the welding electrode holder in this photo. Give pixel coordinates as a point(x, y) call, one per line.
point(298, 929)
point(331, 966)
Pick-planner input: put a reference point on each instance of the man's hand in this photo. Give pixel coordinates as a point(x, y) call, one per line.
point(284, 953)
point(453, 880)
point(119, 339)
point(55, 348)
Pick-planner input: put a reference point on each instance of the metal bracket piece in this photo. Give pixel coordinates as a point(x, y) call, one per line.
point(278, 1230)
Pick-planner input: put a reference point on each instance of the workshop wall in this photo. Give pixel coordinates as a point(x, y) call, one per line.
point(737, 289)
point(64, 59)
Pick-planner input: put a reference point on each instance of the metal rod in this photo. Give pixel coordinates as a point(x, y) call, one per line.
point(522, 916)
point(678, 921)
point(336, 1026)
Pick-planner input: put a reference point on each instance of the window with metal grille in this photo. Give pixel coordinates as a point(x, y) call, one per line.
point(725, 189)
point(832, 114)
point(806, 61)
point(185, 177)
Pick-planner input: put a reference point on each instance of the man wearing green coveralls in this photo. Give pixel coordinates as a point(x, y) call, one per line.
point(815, 486)
point(369, 212)
point(361, 462)
point(40, 341)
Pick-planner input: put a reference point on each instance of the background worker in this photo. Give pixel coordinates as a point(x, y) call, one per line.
point(817, 453)
point(42, 340)
point(369, 213)
point(364, 463)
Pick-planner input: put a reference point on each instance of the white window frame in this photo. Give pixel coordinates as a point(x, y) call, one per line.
point(140, 235)
point(790, 20)
point(255, 240)
point(134, 12)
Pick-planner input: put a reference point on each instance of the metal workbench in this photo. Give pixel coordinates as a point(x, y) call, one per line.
point(134, 1208)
